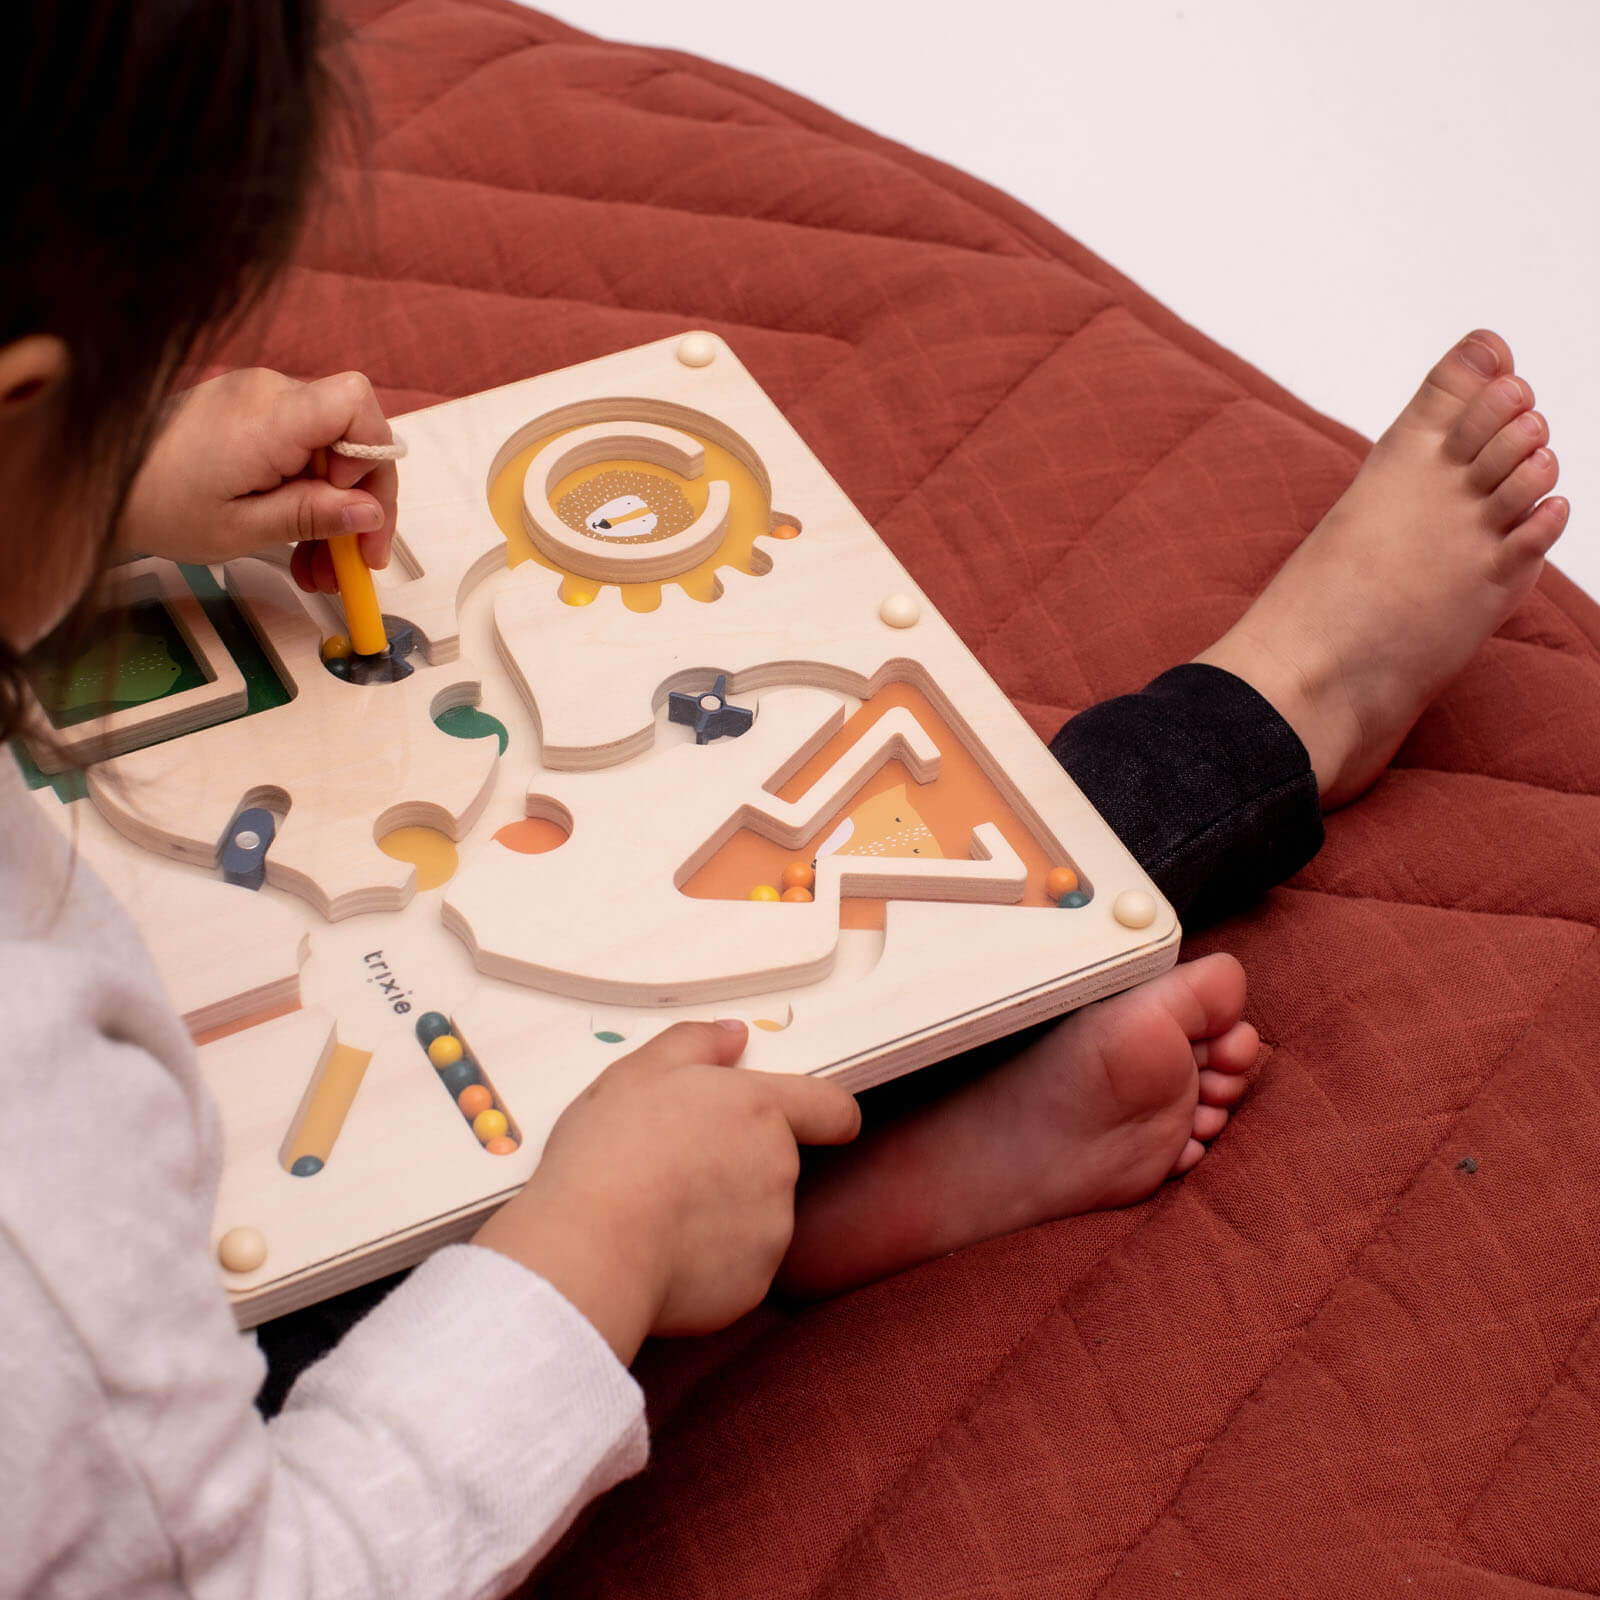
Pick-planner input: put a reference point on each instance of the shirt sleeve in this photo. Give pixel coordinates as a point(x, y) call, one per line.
point(438, 1451)
point(448, 1441)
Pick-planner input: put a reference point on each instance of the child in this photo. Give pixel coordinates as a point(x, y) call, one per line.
point(160, 158)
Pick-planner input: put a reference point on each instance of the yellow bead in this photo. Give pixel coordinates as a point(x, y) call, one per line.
point(490, 1124)
point(335, 647)
point(764, 891)
point(445, 1051)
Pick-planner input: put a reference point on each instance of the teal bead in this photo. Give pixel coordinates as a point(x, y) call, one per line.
point(1073, 900)
point(606, 1036)
point(459, 1074)
point(307, 1167)
point(430, 1026)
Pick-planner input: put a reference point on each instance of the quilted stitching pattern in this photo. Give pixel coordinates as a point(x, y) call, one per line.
point(1334, 1360)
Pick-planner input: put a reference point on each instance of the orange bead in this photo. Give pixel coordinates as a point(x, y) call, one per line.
point(501, 1145)
point(797, 895)
point(473, 1099)
point(798, 875)
point(786, 530)
point(1060, 881)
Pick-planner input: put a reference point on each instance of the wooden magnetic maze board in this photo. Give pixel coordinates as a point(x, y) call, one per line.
point(676, 737)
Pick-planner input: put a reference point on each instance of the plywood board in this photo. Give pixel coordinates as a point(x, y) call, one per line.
point(717, 688)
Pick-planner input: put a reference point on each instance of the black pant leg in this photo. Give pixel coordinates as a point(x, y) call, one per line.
point(1204, 782)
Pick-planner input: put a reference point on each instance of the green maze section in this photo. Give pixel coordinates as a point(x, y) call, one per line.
point(265, 686)
point(145, 659)
point(468, 722)
point(69, 785)
point(140, 659)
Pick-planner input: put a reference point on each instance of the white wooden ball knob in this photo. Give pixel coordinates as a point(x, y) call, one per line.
point(1133, 908)
point(697, 350)
point(242, 1249)
point(900, 611)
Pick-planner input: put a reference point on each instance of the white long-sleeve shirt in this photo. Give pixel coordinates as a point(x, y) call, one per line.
point(439, 1451)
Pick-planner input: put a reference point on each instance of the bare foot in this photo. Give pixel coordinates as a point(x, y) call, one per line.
point(1095, 1113)
point(1439, 538)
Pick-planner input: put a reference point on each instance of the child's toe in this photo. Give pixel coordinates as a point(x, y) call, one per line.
point(1209, 1121)
point(1188, 1158)
point(1523, 490)
point(1485, 415)
point(1231, 1053)
point(1222, 1088)
point(1507, 450)
point(1206, 996)
point(1461, 373)
point(1533, 536)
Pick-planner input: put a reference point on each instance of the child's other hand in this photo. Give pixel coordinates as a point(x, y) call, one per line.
point(664, 1201)
point(228, 473)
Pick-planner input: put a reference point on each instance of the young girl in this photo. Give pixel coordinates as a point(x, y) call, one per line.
point(158, 160)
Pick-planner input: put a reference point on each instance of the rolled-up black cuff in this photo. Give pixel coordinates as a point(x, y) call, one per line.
point(1204, 782)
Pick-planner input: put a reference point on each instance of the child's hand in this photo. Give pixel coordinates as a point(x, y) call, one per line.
point(665, 1197)
point(227, 473)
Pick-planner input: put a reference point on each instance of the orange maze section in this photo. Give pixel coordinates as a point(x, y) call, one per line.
point(750, 517)
point(890, 815)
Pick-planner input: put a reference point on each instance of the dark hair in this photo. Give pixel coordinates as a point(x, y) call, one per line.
point(159, 157)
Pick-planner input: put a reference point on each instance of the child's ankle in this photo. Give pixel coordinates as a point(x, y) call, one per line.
point(1306, 696)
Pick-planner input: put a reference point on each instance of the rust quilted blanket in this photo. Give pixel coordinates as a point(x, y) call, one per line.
point(1358, 1351)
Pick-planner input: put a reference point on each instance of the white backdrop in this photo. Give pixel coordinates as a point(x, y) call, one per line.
point(1333, 188)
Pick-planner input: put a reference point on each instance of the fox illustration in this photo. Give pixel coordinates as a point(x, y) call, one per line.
point(886, 825)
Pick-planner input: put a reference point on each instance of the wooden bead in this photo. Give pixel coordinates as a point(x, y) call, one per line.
point(1133, 908)
point(445, 1051)
point(490, 1124)
point(1073, 900)
point(335, 647)
point(306, 1167)
point(900, 611)
point(764, 891)
point(460, 1075)
point(1060, 881)
point(501, 1145)
point(697, 349)
point(242, 1249)
point(474, 1098)
point(797, 895)
point(800, 875)
point(430, 1026)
